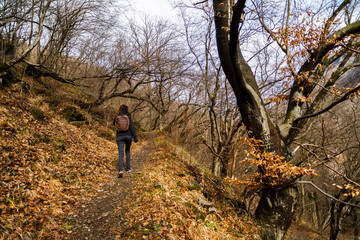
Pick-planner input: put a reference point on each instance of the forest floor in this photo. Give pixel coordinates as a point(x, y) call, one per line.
point(58, 177)
point(163, 198)
point(103, 216)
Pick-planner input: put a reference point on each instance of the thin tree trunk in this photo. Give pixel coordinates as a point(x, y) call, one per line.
point(335, 219)
point(234, 164)
point(216, 166)
point(355, 223)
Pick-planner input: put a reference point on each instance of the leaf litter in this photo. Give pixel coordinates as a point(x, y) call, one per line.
point(58, 182)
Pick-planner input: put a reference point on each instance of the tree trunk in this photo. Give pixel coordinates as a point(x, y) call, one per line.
point(216, 166)
point(277, 207)
point(233, 166)
point(336, 209)
point(276, 211)
point(355, 224)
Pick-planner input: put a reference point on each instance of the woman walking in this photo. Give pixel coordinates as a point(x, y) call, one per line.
point(125, 132)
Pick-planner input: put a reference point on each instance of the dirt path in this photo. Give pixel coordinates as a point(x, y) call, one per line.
point(102, 216)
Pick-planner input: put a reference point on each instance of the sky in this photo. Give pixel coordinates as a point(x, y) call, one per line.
point(160, 8)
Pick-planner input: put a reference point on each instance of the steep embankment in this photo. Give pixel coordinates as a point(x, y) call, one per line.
point(47, 165)
point(58, 178)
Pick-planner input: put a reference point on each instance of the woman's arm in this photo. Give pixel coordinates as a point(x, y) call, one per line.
point(132, 130)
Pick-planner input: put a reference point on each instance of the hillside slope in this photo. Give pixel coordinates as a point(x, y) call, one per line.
point(47, 164)
point(56, 159)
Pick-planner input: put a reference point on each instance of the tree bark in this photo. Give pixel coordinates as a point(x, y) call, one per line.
point(216, 166)
point(276, 211)
point(276, 208)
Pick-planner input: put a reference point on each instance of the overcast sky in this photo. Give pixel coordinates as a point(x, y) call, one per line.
point(159, 8)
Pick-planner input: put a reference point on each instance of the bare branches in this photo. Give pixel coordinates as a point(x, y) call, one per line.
point(332, 105)
point(332, 18)
point(350, 49)
point(197, 3)
point(342, 175)
point(43, 12)
point(326, 194)
point(25, 20)
point(39, 70)
point(213, 152)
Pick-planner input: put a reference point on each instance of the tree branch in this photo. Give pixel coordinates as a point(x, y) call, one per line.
point(342, 99)
point(326, 194)
point(254, 55)
point(303, 87)
point(342, 175)
point(332, 18)
point(39, 70)
point(350, 49)
point(213, 152)
point(200, 2)
point(25, 20)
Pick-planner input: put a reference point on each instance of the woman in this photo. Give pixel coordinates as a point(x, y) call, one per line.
point(124, 138)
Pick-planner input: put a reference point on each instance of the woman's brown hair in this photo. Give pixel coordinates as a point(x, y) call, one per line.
point(124, 108)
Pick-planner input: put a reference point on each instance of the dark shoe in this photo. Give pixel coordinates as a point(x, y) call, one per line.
point(120, 174)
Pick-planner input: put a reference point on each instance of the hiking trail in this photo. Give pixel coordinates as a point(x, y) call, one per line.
point(102, 216)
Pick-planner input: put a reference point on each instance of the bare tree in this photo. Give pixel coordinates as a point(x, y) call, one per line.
point(150, 68)
point(15, 22)
point(220, 121)
point(63, 32)
point(333, 149)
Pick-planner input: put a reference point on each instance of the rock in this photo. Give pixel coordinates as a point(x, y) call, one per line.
point(105, 214)
point(212, 210)
point(159, 185)
point(171, 237)
point(204, 202)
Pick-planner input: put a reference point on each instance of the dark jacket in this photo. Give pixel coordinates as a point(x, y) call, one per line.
point(131, 131)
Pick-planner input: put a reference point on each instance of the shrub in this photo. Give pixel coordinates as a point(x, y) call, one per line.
point(53, 104)
point(37, 113)
point(71, 114)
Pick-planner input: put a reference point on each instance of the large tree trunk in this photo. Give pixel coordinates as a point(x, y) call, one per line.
point(276, 211)
point(276, 208)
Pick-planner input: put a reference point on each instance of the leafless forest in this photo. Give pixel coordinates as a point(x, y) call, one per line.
point(265, 94)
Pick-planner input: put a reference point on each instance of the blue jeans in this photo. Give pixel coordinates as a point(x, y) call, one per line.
point(121, 141)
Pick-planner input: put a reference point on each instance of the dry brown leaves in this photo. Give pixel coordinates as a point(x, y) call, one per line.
point(169, 208)
point(46, 168)
point(274, 171)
